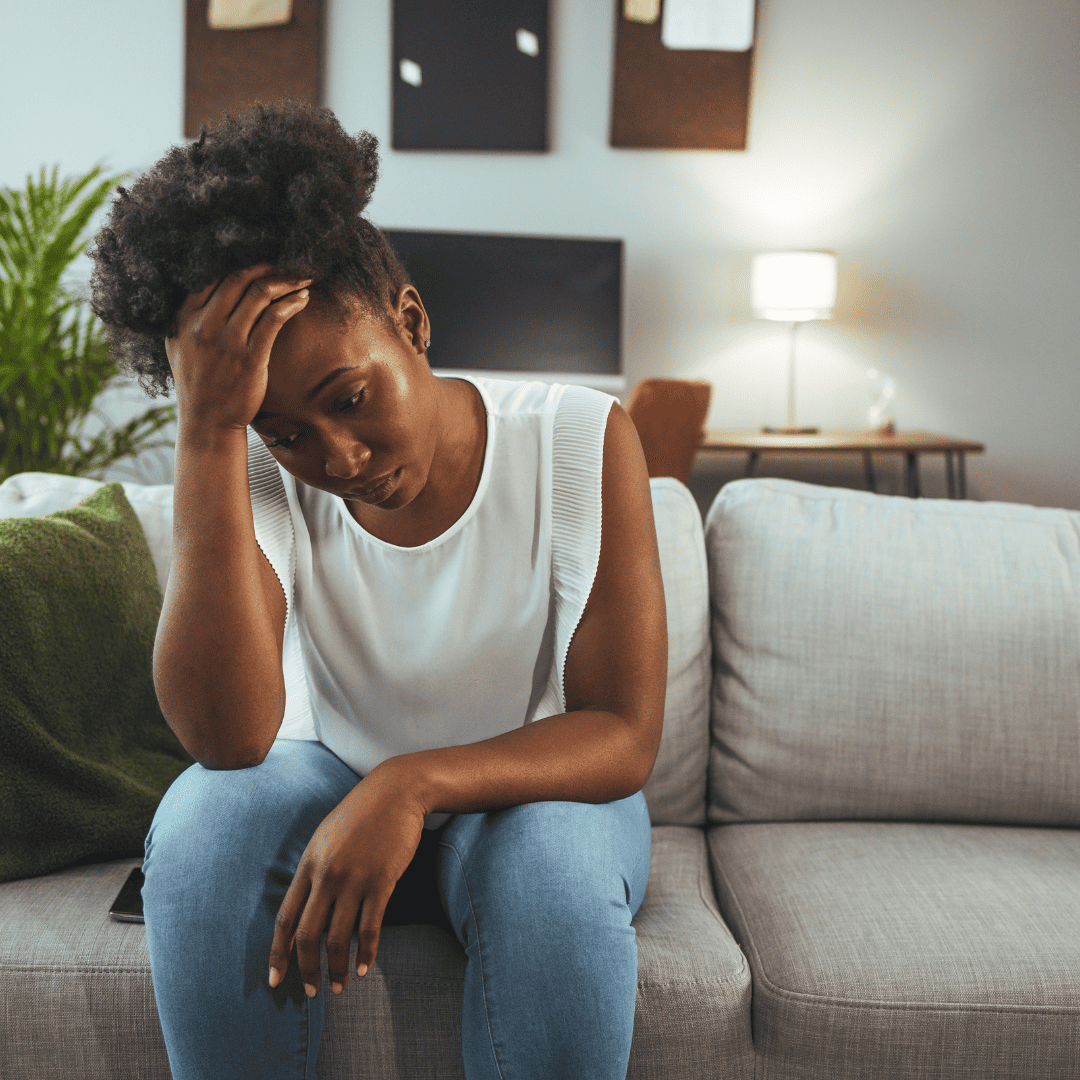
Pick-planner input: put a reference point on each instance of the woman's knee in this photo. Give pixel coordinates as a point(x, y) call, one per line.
point(215, 814)
point(577, 863)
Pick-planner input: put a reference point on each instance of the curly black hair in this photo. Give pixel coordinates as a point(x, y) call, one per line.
point(282, 184)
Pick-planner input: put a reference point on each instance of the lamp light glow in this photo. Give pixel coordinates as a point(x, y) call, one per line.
point(794, 287)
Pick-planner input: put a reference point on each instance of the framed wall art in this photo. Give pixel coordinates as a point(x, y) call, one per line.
point(471, 75)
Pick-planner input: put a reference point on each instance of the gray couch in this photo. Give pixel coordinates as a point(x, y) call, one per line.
point(865, 864)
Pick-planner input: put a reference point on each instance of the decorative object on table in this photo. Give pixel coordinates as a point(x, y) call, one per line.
point(669, 415)
point(882, 389)
point(682, 74)
point(794, 287)
point(54, 357)
point(470, 76)
point(85, 754)
point(241, 51)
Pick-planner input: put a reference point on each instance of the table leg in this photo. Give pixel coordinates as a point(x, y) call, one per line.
point(963, 475)
point(868, 464)
point(751, 461)
point(949, 478)
point(913, 475)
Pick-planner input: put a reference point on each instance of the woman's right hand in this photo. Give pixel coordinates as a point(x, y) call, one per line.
point(220, 350)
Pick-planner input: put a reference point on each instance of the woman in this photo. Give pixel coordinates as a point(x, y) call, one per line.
point(414, 634)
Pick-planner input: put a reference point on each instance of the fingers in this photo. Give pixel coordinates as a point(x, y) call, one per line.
point(301, 920)
point(285, 927)
point(371, 919)
point(272, 318)
point(235, 284)
point(230, 290)
point(218, 364)
point(308, 938)
point(339, 940)
point(237, 299)
point(196, 300)
point(261, 296)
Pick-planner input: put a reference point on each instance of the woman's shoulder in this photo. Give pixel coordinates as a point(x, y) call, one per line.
point(506, 398)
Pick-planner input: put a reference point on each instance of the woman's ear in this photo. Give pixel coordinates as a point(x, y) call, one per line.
point(411, 319)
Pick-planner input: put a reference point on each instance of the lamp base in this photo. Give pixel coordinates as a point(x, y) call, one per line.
point(790, 430)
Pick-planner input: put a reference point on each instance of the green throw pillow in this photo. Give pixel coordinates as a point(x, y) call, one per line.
point(85, 754)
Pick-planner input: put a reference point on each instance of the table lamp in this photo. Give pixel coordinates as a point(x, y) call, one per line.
point(794, 287)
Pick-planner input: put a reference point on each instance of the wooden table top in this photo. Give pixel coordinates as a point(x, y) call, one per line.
point(900, 442)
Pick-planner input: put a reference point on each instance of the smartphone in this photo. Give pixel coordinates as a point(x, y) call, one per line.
point(127, 907)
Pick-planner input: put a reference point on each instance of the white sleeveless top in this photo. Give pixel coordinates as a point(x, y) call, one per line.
point(390, 650)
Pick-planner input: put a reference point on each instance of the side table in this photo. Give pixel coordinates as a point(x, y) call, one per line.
point(909, 443)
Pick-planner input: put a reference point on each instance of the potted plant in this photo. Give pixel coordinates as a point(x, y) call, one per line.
point(54, 358)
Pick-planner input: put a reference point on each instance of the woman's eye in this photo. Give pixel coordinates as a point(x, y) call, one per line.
point(351, 403)
point(285, 444)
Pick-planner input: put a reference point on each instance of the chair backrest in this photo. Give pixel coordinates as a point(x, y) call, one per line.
point(669, 415)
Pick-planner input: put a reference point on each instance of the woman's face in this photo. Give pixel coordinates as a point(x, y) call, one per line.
point(353, 412)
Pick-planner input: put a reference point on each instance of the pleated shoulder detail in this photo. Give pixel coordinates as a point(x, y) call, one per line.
point(577, 497)
point(277, 541)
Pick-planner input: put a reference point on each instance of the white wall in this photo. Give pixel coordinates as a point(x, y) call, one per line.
point(934, 147)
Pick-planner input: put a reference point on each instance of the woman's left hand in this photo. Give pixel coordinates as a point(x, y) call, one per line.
point(354, 859)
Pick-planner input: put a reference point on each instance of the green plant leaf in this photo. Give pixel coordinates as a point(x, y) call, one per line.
point(54, 357)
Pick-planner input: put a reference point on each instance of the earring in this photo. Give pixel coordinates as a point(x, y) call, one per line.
point(427, 344)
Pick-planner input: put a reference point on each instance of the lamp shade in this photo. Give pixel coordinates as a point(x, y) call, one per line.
point(793, 286)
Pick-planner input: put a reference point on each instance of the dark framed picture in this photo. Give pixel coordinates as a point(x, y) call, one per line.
point(471, 75)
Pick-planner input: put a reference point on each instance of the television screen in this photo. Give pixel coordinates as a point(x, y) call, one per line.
point(531, 304)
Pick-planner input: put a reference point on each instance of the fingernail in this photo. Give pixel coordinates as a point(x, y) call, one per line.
point(302, 293)
point(275, 976)
point(336, 987)
point(361, 970)
point(310, 990)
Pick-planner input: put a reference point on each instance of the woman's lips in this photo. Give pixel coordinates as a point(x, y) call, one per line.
point(377, 490)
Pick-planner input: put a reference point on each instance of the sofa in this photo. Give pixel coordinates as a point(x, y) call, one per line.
point(865, 859)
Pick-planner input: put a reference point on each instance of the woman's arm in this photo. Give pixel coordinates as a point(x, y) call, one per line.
point(604, 746)
point(217, 655)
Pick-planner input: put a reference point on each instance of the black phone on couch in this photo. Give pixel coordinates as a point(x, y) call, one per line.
point(127, 907)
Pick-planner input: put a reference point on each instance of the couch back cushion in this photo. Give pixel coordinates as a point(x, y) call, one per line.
point(892, 658)
point(675, 792)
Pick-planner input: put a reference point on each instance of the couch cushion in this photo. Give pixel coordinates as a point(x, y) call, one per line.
point(693, 1001)
point(75, 993)
point(676, 789)
point(906, 950)
point(85, 754)
point(76, 997)
point(33, 494)
point(884, 657)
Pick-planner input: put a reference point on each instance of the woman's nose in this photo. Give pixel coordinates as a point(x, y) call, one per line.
point(346, 458)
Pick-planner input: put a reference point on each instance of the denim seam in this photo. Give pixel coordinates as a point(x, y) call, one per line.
point(641, 853)
point(479, 954)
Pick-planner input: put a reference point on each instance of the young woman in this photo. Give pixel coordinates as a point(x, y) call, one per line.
point(414, 634)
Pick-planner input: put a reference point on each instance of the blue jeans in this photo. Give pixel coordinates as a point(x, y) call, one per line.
point(539, 895)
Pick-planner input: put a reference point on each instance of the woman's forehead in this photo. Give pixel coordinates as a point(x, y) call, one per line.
point(311, 354)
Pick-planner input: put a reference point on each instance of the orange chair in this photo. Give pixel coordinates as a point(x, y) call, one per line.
point(669, 415)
